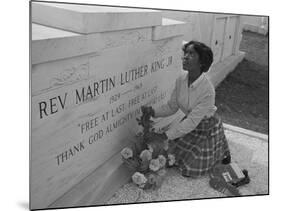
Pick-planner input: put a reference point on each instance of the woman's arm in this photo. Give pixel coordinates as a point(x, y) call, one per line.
point(194, 118)
point(171, 107)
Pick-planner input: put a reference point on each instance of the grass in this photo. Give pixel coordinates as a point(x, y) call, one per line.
point(242, 98)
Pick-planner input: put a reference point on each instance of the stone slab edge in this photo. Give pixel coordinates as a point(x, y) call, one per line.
point(60, 47)
point(221, 69)
point(86, 22)
point(250, 133)
point(169, 28)
point(60, 44)
point(253, 28)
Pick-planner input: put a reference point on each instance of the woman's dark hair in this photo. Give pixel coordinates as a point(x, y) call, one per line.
point(205, 54)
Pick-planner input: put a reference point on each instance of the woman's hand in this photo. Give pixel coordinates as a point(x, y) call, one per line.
point(152, 136)
point(147, 111)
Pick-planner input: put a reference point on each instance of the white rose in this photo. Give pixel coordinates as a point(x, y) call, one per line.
point(162, 160)
point(127, 153)
point(146, 155)
point(154, 165)
point(139, 179)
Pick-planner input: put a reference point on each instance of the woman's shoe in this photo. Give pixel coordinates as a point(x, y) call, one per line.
point(244, 181)
point(226, 160)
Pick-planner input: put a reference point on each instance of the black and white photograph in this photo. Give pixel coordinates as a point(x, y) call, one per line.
point(133, 105)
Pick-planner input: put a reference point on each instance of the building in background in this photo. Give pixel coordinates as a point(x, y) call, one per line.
point(222, 32)
point(258, 24)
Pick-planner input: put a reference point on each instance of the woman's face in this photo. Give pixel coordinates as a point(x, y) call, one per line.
point(190, 61)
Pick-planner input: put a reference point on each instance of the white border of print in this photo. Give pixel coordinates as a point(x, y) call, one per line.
point(15, 104)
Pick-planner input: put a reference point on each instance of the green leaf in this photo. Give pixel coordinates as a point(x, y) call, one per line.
point(144, 166)
point(131, 163)
point(139, 147)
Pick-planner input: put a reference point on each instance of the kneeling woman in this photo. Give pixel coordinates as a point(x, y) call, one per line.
point(198, 142)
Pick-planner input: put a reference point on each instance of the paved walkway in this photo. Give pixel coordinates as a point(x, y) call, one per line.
point(248, 149)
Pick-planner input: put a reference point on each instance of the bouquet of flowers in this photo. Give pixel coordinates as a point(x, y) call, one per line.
point(148, 157)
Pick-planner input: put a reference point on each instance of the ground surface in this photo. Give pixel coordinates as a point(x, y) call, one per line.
point(242, 98)
point(249, 152)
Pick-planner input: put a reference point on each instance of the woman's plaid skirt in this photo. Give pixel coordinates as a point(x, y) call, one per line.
point(198, 151)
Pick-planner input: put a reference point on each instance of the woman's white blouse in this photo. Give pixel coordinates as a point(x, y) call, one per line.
point(196, 101)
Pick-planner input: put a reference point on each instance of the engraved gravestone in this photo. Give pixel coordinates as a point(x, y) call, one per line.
point(91, 69)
